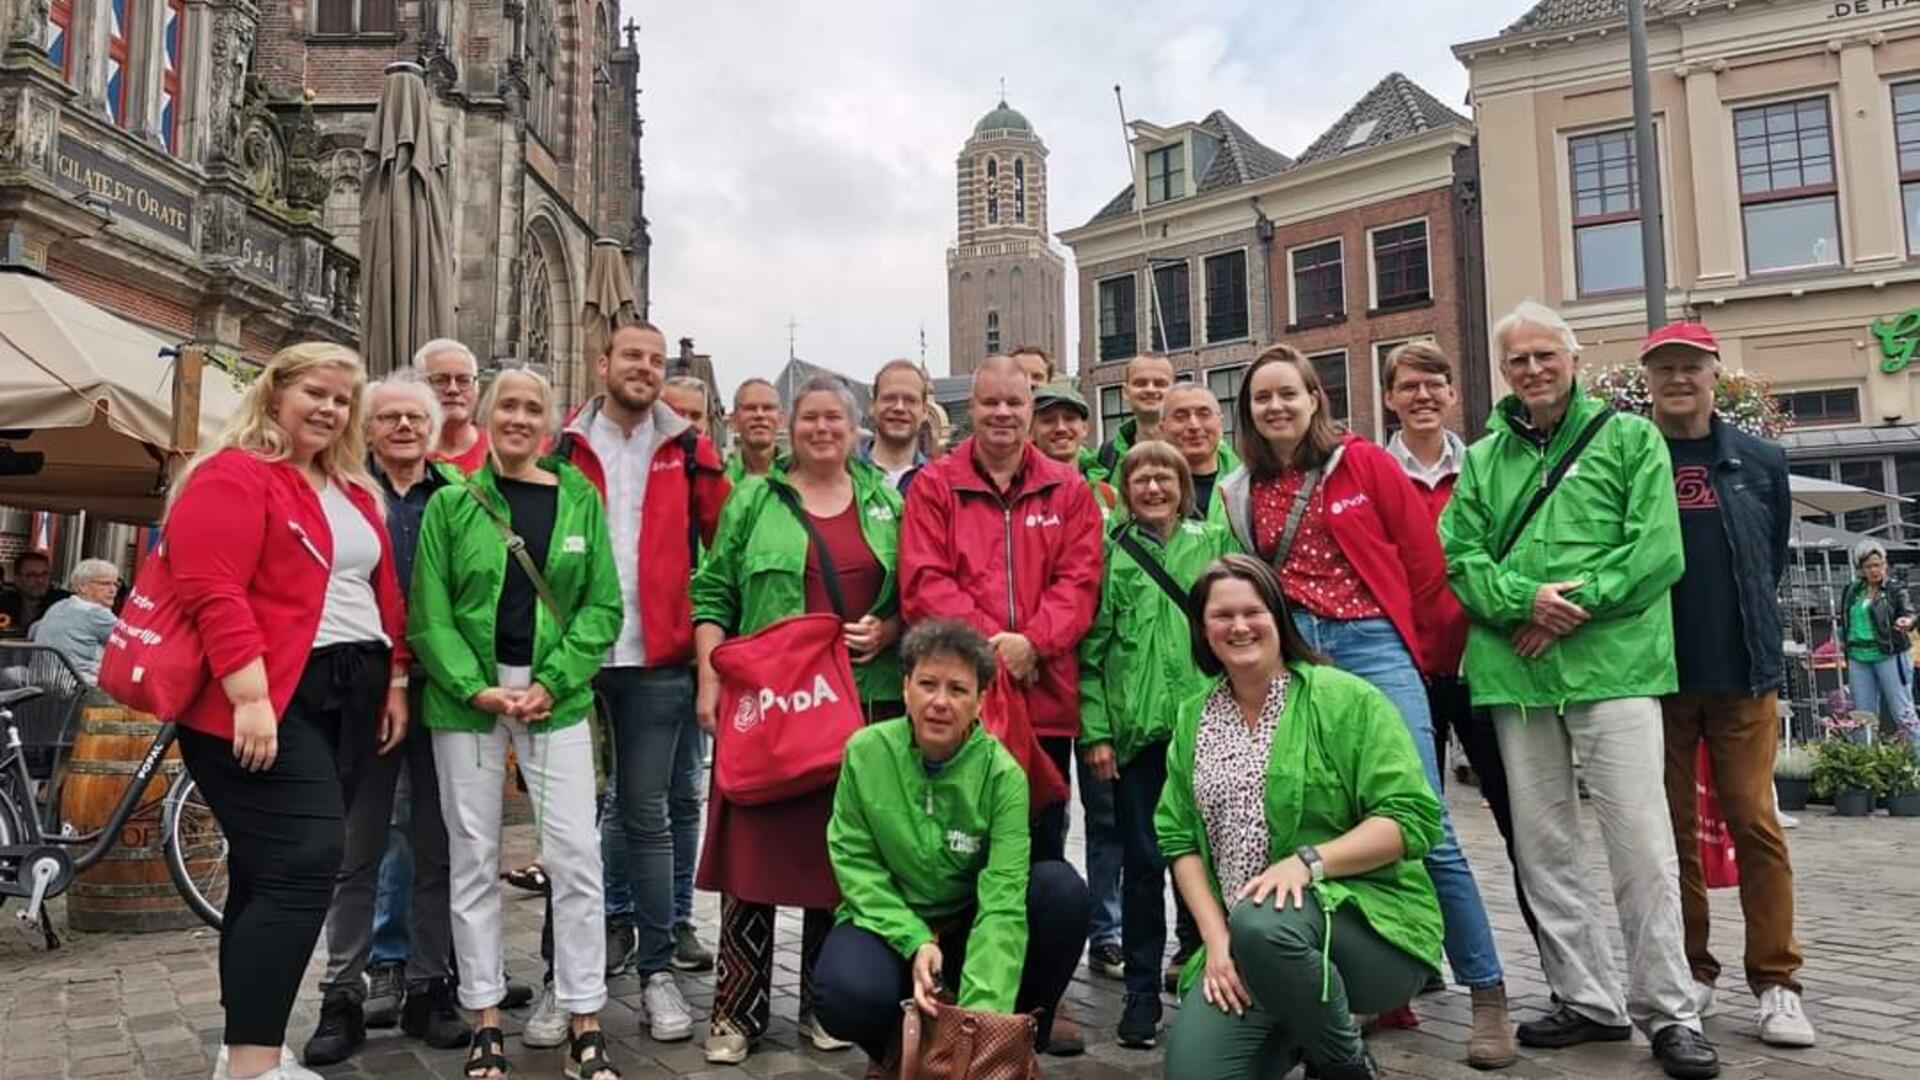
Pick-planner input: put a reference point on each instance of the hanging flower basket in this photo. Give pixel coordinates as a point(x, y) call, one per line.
point(1743, 398)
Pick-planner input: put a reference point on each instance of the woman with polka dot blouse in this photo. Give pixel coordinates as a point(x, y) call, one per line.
point(1356, 554)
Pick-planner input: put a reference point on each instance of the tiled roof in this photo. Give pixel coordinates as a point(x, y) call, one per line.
point(1242, 159)
point(1395, 109)
point(1560, 14)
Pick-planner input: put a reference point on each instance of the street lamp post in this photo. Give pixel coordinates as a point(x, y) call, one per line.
point(1653, 244)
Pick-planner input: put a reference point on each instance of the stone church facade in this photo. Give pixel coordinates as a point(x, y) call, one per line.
point(1005, 282)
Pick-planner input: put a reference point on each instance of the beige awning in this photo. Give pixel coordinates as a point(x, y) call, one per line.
point(94, 393)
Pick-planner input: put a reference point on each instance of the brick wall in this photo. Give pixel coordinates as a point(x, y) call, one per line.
point(170, 317)
point(1360, 330)
point(340, 72)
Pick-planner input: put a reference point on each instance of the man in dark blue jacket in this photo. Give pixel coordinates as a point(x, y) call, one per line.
point(1735, 512)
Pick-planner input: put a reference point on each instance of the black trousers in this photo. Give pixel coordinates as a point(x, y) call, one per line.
point(859, 980)
point(285, 830)
point(1050, 825)
point(1452, 708)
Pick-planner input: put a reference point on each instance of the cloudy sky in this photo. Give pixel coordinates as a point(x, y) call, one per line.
point(800, 153)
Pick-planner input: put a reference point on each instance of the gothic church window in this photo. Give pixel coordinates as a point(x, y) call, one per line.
point(993, 191)
point(1020, 190)
point(542, 65)
point(537, 320)
point(993, 333)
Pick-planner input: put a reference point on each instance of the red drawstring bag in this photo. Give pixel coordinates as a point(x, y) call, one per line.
point(153, 661)
point(1003, 712)
point(1716, 843)
point(787, 707)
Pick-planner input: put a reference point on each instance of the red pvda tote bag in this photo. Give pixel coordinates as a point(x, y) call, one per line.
point(1003, 712)
point(153, 661)
point(787, 707)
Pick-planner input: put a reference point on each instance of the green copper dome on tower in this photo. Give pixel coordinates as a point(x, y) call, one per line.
point(1003, 118)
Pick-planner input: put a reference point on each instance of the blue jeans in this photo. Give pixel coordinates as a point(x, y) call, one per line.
point(651, 710)
point(393, 901)
point(1372, 649)
point(1103, 855)
point(1883, 688)
point(683, 805)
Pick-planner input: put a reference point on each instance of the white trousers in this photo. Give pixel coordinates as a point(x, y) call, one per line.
point(558, 767)
point(1622, 748)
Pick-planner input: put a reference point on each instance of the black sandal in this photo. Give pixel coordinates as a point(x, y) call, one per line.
point(531, 878)
point(587, 1057)
point(488, 1054)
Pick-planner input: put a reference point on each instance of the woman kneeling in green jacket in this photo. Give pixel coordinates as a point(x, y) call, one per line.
point(1295, 815)
point(511, 656)
point(929, 841)
point(1136, 667)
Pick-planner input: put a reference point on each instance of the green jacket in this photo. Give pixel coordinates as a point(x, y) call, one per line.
point(736, 465)
point(755, 573)
point(1613, 524)
point(912, 850)
point(1105, 462)
point(1136, 662)
point(1341, 754)
point(458, 572)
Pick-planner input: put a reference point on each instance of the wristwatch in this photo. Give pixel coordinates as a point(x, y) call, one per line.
point(1316, 866)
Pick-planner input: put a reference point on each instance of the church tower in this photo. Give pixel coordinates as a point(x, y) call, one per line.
point(1005, 284)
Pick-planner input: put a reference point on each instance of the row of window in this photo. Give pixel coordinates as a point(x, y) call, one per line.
point(1401, 274)
point(134, 40)
point(1170, 310)
point(1019, 191)
point(1789, 191)
point(1225, 381)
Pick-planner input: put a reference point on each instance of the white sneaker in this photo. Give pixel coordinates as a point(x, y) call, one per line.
point(1782, 1021)
point(547, 1027)
point(725, 1046)
point(669, 1017)
point(289, 1068)
point(818, 1036)
point(1787, 821)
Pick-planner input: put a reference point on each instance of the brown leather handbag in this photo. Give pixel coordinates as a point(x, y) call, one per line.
point(966, 1044)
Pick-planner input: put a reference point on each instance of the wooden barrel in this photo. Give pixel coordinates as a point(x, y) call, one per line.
point(129, 889)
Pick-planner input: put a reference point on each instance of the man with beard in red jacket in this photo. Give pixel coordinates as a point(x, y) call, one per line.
point(1008, 541)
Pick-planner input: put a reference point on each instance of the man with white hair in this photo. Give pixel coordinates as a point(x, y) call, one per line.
point(402, 417)
point(1563, 541)
point(453, 372)
point(1735, 516)
point(78, 625)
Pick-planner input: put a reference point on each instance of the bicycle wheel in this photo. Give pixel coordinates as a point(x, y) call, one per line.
point(11, 832)
point(196, 850)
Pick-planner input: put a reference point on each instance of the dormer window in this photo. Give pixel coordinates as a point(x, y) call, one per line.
point(1166, 173)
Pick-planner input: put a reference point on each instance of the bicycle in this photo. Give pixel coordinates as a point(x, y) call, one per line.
point(39, 859)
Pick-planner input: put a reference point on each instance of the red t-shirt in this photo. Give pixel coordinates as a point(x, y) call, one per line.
point(861, 575)
point(469, 462)
point(1317, 575)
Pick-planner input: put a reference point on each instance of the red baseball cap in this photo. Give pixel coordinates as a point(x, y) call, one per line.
point(1690, 335)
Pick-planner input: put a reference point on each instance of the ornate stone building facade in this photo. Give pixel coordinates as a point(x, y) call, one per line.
point(536, 104)
point(145, 168)
point(1005, 282)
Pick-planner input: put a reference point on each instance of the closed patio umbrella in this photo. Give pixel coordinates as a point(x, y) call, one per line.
point(407, 276)
point(609, 305)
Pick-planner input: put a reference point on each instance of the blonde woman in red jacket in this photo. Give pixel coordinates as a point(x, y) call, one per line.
point(279, 552)
point(1362, 570)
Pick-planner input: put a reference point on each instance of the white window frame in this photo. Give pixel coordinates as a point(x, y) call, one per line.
point(1100, 408)
point(1246, 259)
point(1185, 149)
point(1153, 304)
point(1841, 185)
point(1097, 283)
point(1346, 362)
point(1293, 295)
point(1226, 411)
point(1373, 270)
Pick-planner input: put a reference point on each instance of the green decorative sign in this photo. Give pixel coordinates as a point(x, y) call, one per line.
point(1898, 341)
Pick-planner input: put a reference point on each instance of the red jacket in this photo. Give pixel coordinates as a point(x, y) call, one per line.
point(1450, 640)
point(1030, 564)
point(1383, 528)
point(665, 555)
point(249, 548)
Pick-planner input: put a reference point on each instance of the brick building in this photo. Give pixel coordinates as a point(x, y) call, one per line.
point(1006, 284)
point(536, 104)
point(1369, 238)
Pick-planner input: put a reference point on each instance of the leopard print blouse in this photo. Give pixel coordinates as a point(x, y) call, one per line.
point(1230, 783)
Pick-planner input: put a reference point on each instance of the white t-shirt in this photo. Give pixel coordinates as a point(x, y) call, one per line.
point(626, 460)
point(350, 613)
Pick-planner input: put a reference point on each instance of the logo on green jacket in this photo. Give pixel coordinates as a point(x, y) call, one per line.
point(962, 843)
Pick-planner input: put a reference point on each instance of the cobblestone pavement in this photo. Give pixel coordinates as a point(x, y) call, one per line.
point(147, 1005)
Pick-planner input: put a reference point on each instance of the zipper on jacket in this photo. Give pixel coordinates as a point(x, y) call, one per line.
point(1006, 517)
point(1733, 562)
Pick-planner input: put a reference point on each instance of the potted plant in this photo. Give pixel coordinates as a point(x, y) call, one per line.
point(1849, 774)
point(1899, 777)
point(1793, 777)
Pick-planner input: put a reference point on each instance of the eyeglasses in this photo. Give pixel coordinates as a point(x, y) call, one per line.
point(443, 381)
point(1416, 387)
point(395, 419)
point(1541, 358)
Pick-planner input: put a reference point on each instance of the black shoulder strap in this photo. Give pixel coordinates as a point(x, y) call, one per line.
point(1558, 473)
point(517, 547)
point(829, 575)
point(1296, 513)
point(1125, 538)
point(689, 453)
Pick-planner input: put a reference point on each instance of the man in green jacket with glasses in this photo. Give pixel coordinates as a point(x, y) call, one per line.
point(1571, 646)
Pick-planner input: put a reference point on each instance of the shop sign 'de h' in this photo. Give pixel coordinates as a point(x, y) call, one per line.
point(131, 193)
point(1842, 9)
point(1898, 340)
